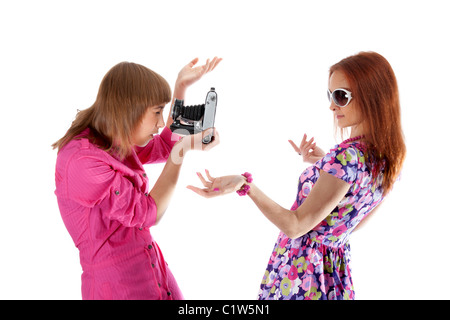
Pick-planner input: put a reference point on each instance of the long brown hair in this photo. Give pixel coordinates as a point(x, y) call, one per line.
point(375, 91)
point(125, 93)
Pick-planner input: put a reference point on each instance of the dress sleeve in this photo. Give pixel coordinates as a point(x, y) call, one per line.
point(341, 162)
point(159, 148)
point(92, 182)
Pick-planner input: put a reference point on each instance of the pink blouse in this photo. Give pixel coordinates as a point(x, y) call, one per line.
point(105, 206)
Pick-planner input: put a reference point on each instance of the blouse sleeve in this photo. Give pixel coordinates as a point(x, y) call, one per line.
point(159, 148)
point(341, 162)
point(91, 181)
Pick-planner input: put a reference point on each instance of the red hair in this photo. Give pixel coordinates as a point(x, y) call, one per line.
point(374, 89)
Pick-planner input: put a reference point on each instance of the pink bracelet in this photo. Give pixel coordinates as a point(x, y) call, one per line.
point(245, 188)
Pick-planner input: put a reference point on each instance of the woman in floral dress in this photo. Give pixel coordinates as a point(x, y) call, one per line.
point(311, 258)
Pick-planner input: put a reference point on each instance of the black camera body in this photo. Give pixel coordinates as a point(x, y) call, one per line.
point(196, 118)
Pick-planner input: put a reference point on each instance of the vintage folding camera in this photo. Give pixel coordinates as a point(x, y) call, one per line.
point(196, 118)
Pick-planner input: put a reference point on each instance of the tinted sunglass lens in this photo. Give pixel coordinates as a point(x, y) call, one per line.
point(340, 98)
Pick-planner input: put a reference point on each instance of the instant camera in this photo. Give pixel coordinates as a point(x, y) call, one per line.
point(196, 118)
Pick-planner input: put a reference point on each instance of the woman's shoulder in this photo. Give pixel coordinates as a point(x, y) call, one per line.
point(81, 149)
point(343, 161)
point(345, 152)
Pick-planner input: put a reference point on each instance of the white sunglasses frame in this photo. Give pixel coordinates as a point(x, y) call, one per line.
point(348, 95)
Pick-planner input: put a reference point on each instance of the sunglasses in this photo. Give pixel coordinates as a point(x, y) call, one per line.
point(341, 97)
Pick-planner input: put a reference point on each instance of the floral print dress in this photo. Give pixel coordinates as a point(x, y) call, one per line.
point(317, 264)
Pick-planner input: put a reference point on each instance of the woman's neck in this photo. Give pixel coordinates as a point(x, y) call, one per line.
point(357, 131)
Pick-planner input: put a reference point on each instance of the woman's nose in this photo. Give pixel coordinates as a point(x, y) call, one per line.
point(161, 122)
point(333, 107)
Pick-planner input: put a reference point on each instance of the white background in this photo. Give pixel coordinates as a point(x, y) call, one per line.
point(271, 86)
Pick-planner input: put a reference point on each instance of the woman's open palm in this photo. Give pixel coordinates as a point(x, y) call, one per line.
point(218, 186)
point(190, 74)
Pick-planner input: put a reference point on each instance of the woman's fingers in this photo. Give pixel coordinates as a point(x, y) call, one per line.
point(210, 65)
point(207, 193)
point(209, 176)
point(307, 145)
point(207, 66)
point(294, 146)
point(192, 63)
point(201, 192)
point(215, 139)
point(196, 190)
point(303, 139)
point(207, 184)
point(214, 63)
point(304, 144)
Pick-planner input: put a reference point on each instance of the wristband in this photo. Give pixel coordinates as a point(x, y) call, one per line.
point(243, 191)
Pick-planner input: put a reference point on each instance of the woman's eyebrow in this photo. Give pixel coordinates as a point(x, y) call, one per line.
point(348, 89)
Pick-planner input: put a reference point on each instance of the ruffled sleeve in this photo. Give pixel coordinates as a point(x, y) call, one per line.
point(341, 162)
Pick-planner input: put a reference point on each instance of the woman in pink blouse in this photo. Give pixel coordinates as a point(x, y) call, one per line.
point(102, 188)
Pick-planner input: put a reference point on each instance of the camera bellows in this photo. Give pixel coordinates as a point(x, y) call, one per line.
point(193, 112)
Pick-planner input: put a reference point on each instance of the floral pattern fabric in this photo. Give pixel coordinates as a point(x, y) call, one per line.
point(317, 264)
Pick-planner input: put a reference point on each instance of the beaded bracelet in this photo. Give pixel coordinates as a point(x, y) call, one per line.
point(245, 188)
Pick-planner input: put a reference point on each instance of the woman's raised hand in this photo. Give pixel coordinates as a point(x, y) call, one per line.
point(214, 187)
point(308, 150)
point(190, 74)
